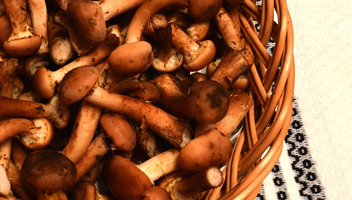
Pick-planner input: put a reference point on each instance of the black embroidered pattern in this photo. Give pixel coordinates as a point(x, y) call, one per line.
point(278, 179)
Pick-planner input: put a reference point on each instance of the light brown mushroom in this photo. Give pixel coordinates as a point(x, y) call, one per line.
point(48, 174)
point(22, 41)
point(204, 10)
point(85, 125)
point(5, 26)
point(45, 81)
point(33, 63)
point(148, 142)
point(88, 17)
point(126, 180)
point(210, 148)
point(34, 134)
point(198, 30)
point(156, 193)
point(167, 126)
point(119, 130)
point(207, 101)
point(57, 113)
point(197, 55)
point(39, 16)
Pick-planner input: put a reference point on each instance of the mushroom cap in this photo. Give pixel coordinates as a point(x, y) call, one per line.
point(204, 56)
point(77, 83)
point(210, 148)
point(86, 18)
point(156, 193)
point(204, 10)
point(120, 131)
point(132, 58)
point(40, 137)
point(208, 101)
point(42, 84)
point(22, 47)
point(125, 180)
point(5, 28)
point(48, 170)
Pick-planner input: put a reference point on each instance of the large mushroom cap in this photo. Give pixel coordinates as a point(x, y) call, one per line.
point(77, 83)
point(125, 180)
point(48, 170)
point(204, 10)
point(22, 47)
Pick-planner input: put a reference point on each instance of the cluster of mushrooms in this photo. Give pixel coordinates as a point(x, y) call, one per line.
point(109, 99)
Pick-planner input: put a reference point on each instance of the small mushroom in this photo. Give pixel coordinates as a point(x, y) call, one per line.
point(48, 174)
point(204, 10)
point(126, 180)
point(207, 101)
point(198, 30)
point(33, 63)
point(167, 126)
point(156, 193)
point(57, 113)
point(197, 55)
point(45, 81)
point(210, 148)
point(22, 41)
point(119, 130)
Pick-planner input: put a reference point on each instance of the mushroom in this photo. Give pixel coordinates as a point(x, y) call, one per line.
point(22, 41)
point(60, 48)
point(167, 126)
point(34, 134)
point(210, 148)
point(166, 57)
point(204, 10)
point(62, 4)
point(156, 193)
point(197, 55)
point(126, 180)
point(147, 140)
point(57, 113)
point(5, 186)
point(207, 101)
point(45, 81)
point(242, 82)
point(33, 63)
point(88, 17)
point(39, 16)
point(5, 26)
point(85, 125)
point(48, 174)
point(18, 153)
point(198, 30)
point(119, 130)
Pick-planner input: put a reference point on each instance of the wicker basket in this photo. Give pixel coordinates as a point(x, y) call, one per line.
point(271, 85)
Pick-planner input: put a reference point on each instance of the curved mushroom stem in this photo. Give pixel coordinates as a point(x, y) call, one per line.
point(144, 13)
point(39, 16)
point(54, 110)
point(45, 81)
point(197, 55)
point(34, 134)
point(22, 41)
point(86, 122)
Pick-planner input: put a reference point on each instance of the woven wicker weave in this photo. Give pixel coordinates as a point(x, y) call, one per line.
point(260, 143)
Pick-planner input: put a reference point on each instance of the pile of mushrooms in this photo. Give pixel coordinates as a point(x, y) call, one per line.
point(119, 99)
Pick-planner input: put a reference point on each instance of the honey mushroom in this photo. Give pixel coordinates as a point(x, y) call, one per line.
point(48, 174)
point(156, 193)
point(172, 129)
point(88, 18)
point(22, 41)
point(204, 10)
point(45, 81)
point(54, 111)
point(127, 180)
point(207, 101)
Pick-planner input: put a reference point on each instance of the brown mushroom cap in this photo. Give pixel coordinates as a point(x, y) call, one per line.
point(5, 28)
point(156, 193)
point(131, 59)
point(121, 132)
point(48, 170)
point(208, 101)
point(77, 83)
point(125, 180)
point(86, 17)
point(22, 47)
point(42, 83)
point(208, 149)
point(204, 10)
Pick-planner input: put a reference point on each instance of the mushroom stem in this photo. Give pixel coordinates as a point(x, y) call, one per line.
point(113, 8)
point(5, 185)
point(86, 122)
point(54, 110)
point(144, 13)
point(22, 41)
point(197, 55)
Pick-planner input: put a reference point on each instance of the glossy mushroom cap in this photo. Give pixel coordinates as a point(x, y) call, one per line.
point(205, 55)
point(156, 193)
point(204, 10)
point(42, 83)
point(208, 101)
point(87, 19)
point(49, 171)
point(131, 59)
point(77, 83)
point(22, 47)
point(125, 180)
